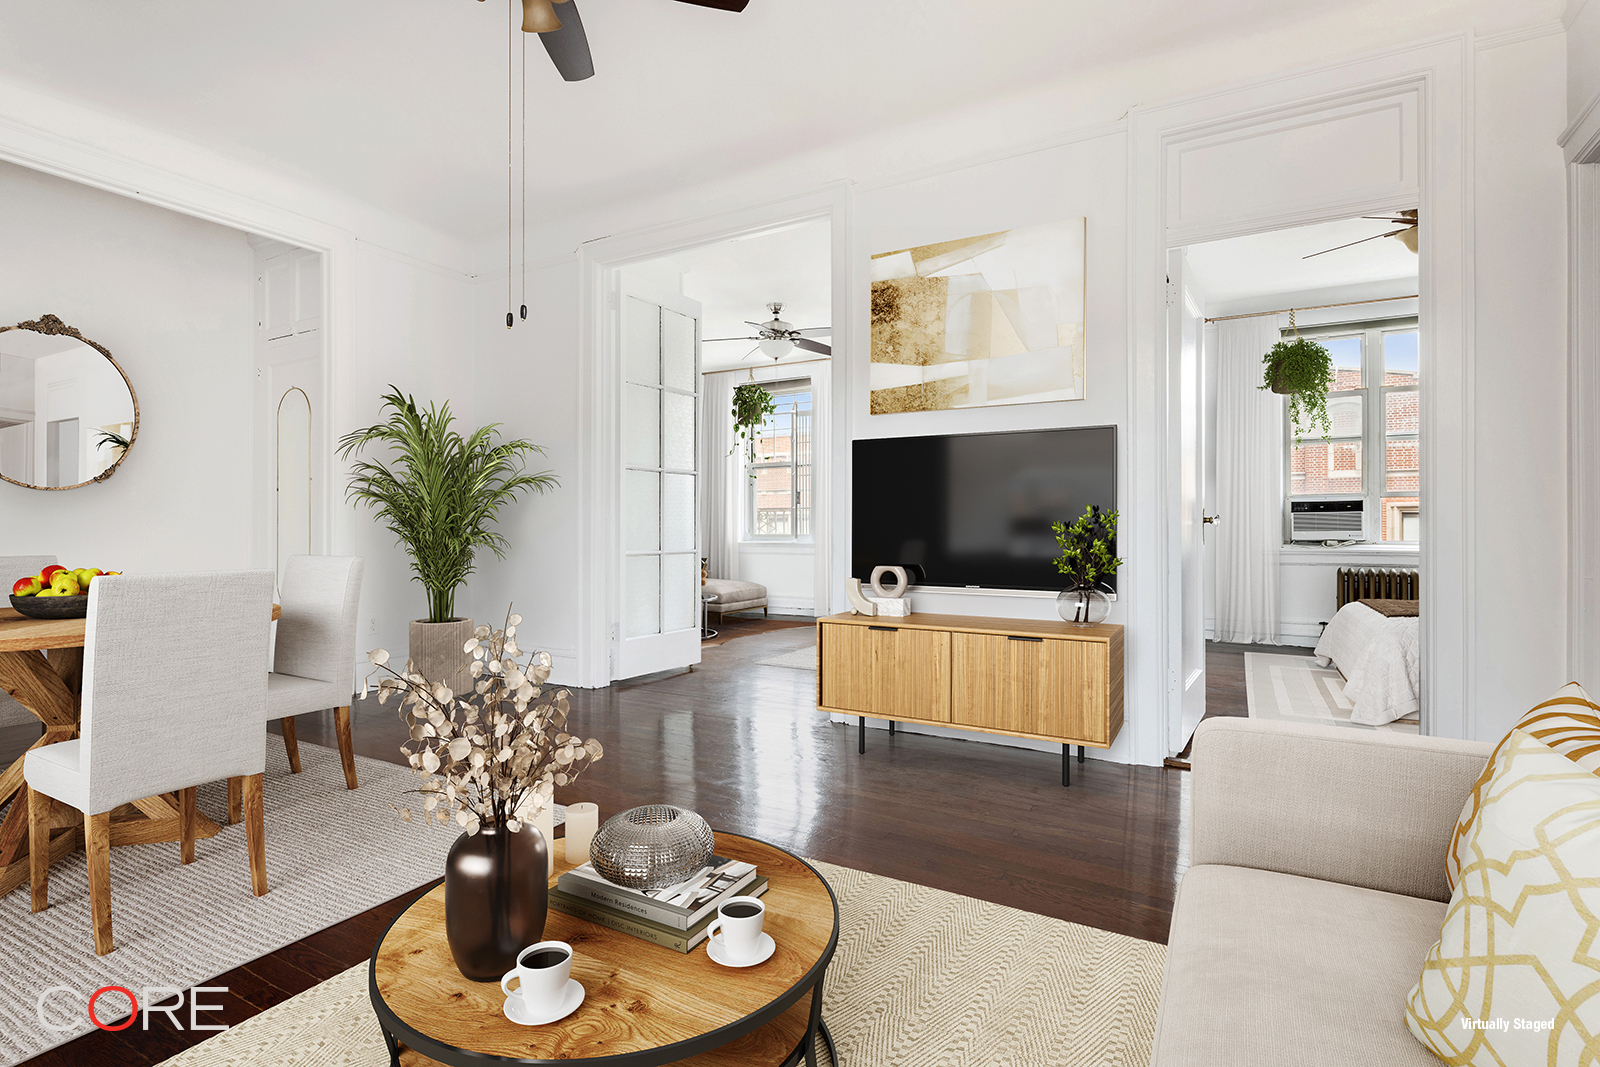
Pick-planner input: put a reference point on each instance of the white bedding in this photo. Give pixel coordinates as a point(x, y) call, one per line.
point(1380, 659)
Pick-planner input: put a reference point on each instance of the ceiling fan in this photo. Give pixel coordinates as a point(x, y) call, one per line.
point(778, 338)
point(1406, 235)
point(563, 37)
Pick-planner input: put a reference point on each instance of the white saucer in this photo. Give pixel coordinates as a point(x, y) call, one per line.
point(571, 997)
point(765, 947)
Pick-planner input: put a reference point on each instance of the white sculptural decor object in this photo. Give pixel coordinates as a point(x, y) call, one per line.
point(890, 602)
point(859, 604)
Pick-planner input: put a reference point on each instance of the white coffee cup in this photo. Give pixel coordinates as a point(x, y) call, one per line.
point(741, 930)
point(543, 971)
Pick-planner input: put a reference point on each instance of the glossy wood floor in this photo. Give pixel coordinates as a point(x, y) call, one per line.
point(741, 743)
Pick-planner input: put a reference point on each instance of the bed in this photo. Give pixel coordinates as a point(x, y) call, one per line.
point(1380, 658)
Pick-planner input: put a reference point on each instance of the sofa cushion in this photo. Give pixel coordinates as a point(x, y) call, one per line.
point(1279, 970)
point(733, 595)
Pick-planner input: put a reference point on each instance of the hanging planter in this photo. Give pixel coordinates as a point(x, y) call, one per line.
point(1302, 370)
point(751, 406)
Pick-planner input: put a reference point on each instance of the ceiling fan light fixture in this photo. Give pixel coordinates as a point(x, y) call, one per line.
point(1408, 237)
point(538, 16)
point(776, 347)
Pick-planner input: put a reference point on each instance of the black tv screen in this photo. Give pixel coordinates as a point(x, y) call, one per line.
point(975, 510)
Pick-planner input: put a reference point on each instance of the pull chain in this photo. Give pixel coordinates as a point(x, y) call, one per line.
point(511, 168)
point(524, 177)
point(1292, 326)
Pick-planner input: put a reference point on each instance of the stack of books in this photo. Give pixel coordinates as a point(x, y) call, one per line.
point(675, 917)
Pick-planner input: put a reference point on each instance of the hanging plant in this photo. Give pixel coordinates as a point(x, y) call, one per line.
point(751, 406)
point(1302, 370)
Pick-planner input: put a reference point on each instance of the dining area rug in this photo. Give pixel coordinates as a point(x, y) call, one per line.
point(921, 978)
point(332, 853)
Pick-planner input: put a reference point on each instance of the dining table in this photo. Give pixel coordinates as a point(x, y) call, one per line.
point(41, 666)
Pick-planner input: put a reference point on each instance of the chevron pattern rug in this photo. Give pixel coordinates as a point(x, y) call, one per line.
point(921, 978)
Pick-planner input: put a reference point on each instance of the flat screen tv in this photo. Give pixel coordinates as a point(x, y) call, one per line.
point(974, 510)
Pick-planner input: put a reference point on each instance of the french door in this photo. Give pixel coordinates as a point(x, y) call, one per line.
point(658, 615)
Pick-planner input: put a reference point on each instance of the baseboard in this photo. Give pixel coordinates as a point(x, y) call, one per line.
point(779, 605)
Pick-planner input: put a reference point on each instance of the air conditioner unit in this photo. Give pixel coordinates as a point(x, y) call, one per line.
point(1327, 520)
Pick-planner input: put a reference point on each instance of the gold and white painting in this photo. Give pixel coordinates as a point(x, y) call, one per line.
point(979, 322)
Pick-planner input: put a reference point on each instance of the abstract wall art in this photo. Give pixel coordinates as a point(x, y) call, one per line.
point(979, 322)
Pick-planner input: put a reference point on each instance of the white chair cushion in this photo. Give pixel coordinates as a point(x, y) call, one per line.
point(734, 595)
point(54, 770)
point(290, 695)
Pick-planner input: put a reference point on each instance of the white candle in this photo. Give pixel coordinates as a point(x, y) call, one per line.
point(545, 821)
point(582, 822)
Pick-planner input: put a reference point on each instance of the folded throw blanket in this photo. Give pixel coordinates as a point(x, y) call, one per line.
point(1394, 609)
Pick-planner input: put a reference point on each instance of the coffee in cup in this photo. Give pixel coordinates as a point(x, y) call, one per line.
point(739, 921)
point(542, 971)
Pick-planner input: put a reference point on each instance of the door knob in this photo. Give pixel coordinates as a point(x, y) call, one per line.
point(1207, 520)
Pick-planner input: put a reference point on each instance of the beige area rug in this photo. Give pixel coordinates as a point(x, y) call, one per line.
point(921, 978)
point(803, 659)
point(331, 853)
point(1295, 689)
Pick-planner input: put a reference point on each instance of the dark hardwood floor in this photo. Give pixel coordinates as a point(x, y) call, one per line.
point(741, 743)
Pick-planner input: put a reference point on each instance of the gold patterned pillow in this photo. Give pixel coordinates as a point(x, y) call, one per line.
point(1569, 723)
point(1515, 976)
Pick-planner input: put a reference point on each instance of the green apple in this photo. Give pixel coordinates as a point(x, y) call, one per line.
point(85, 575)
point(65, 583)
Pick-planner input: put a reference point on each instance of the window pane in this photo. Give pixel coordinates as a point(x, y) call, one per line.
point(1402, 518)
point(641, 409)
point(1400, 358)
point(775, 440)
point(677, 431)
point(642, 582)
point(677, 350)
point(1400, 412)
point(641, 341)
point(1346, 353)
point(1400, 466)
point(774, 491)
point(1344, 414)
point(803, 501)
point(1316, 467)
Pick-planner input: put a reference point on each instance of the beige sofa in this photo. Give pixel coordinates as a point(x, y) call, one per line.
point(1315, 890)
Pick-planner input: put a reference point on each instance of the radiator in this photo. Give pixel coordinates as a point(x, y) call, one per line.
point(1375, 583)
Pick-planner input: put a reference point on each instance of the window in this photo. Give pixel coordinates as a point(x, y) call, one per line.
point(1373, 452)
point(779, 488)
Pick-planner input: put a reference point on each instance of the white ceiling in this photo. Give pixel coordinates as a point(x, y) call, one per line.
point(736, 280)
point(402, 103)
point(1270, 264)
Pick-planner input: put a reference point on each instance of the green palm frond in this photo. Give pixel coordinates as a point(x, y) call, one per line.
point(441, 493)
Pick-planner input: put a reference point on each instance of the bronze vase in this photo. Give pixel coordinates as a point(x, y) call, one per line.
point(495, 898)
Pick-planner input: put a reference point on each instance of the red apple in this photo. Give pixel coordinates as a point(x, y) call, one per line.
point(27, 586)
point(49, 572)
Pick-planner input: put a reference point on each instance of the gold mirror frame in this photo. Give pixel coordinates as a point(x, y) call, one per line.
point(49, 324)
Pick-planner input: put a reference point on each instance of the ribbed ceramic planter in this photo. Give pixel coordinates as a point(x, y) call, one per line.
point(436, 652)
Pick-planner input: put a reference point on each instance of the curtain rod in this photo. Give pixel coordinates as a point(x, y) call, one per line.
point(1315, 307)
point(753, 366)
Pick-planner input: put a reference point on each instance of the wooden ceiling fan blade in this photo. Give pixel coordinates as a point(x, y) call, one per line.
point(720, 5)
point(569, 46)
point(712, 340)
point(812, 346)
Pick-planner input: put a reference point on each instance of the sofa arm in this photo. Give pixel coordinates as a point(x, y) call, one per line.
point(1354, 806)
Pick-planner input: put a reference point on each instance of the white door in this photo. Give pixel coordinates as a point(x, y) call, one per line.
point(658, 613)
point(1188, 398)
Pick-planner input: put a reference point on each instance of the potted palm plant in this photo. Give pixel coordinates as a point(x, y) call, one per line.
point(441, 494)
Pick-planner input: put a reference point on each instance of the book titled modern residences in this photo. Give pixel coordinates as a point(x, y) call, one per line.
point(678, 906)
point(666, 936)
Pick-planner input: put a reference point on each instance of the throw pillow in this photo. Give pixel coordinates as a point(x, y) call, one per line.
point(1515, 976)
point(1569, 723)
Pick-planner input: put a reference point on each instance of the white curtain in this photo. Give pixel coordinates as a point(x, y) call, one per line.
point(720, 496)
point(1249, 484)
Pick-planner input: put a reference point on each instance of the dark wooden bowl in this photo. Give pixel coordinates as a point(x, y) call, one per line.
point(52, 607)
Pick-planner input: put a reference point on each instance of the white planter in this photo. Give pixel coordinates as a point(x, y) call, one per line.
point(436, 652)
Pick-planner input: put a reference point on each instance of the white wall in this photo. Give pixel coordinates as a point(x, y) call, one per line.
point(1583, 55)
point(170, 297)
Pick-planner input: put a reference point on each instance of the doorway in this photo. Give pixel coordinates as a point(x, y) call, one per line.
point(1271, 514)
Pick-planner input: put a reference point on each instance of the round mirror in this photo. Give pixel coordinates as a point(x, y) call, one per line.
point(68, 414)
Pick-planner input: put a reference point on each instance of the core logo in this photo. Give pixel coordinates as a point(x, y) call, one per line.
point(60, 1007)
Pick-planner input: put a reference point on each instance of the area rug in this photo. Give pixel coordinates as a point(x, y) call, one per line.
point(804, 659)
point(921, 978)
point(1295, 689)
point(732, 627)
point(332, 853)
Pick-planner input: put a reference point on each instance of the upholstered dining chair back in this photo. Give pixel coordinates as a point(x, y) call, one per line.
point(173, 694)
point(14, 567)
point(317, 630)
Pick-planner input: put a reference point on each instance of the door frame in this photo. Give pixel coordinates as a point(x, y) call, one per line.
point(1433, 78)
point(600, 264)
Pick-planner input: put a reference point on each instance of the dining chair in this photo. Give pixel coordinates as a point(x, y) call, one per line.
point(161, 678)
point(12, 568)
point(313, 667)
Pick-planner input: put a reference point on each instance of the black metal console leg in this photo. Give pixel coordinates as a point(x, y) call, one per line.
point(861, 734)
point(394, 1049)
point(1080, 753)
point(1066, 765)
point(891, 727)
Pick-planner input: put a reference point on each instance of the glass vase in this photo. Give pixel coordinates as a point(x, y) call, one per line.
point(1086, 606)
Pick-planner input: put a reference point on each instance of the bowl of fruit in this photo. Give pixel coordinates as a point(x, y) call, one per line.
point(55, 592)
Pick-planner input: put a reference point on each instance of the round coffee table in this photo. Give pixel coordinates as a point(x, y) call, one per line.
point(643, 1005)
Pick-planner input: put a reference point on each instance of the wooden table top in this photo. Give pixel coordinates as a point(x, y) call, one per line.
point(18, 633)
point(640, 999)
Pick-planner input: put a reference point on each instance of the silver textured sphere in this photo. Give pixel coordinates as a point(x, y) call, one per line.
point(651, 847)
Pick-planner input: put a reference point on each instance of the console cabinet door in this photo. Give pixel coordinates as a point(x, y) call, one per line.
point(1048, 687)
point(887, 672)
point(846, 667)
